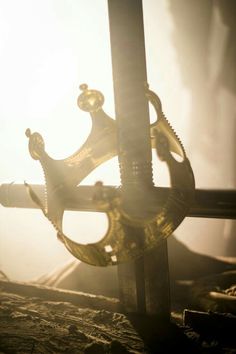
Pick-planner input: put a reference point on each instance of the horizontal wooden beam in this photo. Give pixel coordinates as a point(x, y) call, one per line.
point(211, 203)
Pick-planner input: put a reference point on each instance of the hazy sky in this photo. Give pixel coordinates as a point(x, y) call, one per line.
point(47, 49)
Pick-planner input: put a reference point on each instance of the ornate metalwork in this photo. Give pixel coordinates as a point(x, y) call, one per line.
point(148, 229)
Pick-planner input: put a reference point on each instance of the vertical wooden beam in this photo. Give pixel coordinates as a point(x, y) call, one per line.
point(144, 286)
point(129, 79)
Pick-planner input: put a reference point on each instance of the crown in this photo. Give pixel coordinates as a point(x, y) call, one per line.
point(101, 145)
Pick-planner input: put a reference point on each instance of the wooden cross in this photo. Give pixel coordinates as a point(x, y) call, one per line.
point(143, 281)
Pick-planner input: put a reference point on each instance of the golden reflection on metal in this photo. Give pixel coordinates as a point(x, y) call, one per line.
point(128, 236)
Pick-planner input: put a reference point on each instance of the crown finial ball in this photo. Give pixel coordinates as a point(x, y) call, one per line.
point(83, 87)
point(90, 100)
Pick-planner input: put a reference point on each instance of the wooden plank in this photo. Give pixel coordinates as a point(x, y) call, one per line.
point(54, 294)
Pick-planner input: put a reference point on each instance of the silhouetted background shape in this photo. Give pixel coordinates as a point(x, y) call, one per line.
point(212, 82)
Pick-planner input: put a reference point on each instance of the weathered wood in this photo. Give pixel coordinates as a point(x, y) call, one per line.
point(40, 325)
point(51, 294)
point(140, 290)
point(211, 203)
point(210, 292)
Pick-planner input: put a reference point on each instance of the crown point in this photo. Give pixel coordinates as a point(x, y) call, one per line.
point(28, 133)
point(83, 87)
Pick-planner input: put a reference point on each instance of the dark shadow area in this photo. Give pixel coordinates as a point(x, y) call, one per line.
point(161, 336)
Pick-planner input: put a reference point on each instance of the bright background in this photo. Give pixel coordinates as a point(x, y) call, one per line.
point(47, 49)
